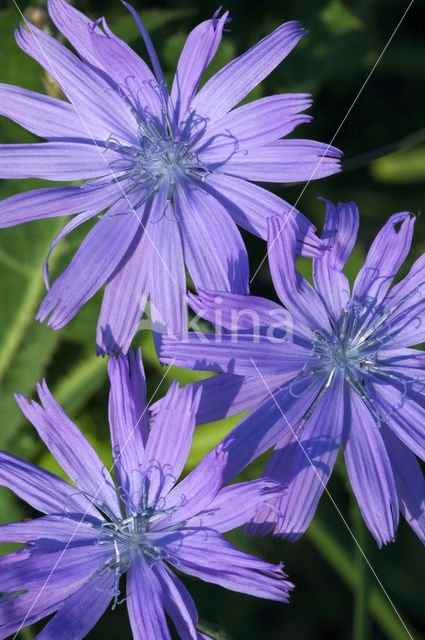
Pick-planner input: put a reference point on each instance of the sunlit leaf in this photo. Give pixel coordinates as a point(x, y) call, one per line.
point(403, 167)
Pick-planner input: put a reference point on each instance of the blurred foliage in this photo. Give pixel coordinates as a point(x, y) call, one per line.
point(345, 40)
point(404, 166)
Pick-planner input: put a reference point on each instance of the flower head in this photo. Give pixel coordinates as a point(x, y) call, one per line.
point(171, 169)
point(93, 533)
point(346, 375)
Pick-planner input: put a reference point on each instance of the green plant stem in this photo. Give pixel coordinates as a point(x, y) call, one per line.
point(81, 383)
point(212, 630)
point(379, 607)
point(365, 158)
point(361, 622)
point(25, 316)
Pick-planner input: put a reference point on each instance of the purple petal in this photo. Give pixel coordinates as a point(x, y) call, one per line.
point(295, 293)
point(198, 51)
point(167, 450)
point(45, 116)
point(59, 201)
point(232, 83)
point(166, 276)
point(145, 602)
point(178, 602)
point(404, 368)
point(252, 125)
point(409, 481)
point(369, 470)
point(408, 326)
point(285, 161)
point(29, 607)
point(74, 223)
point(75, 27)
point(250, 207)
point(159, 75)
point(385, 257)
point(238, 313)
point(75, 619)
point(124, 300)
point(50, 532)
point(128, 70)
point(313, 452)
point(128, 425)
point(269, 422)
point(194, 493)
point(55, 160)
point(240, 354)
point(400, 359)
point(213, 248)
point(402, 414)
point(138, 387)
point(339, 235)
point(101, 110)
point(50, 570)
point(265, 520)
point(406, 308)
point(237, 504)
point(227, 395)
point(204, 553)
point(98, 255)
point(41, 489)
point(70, 448)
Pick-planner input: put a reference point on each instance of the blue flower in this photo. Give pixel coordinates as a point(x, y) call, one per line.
point(170, 168)
point(340, 370)
point(80, 550)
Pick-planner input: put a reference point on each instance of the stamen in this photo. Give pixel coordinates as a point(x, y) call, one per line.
point(158, 160)
point(316, 401)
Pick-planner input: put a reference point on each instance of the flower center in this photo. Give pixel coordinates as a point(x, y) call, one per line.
point(349, 350)
point(132, 536)
point(346, 355)
point(159, 160)
point(346, 350)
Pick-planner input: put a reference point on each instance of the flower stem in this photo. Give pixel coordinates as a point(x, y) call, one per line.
point(214, 631)
point(405, 143)
point(381, 611)
point(361, 621)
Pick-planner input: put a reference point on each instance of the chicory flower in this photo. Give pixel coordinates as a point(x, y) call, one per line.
point(94, 533)
point(170, 170)
point(341, 370)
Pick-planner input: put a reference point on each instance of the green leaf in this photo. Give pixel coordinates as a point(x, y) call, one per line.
point(402, 167)
point(25, 346)
point(16, 63)
point(127, 29)
point(81, 382)
point(339, 19)
point(380, 608)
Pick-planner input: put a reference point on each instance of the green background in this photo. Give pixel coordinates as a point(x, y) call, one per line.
point(332, 62)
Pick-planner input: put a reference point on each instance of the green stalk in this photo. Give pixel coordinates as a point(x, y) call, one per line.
point(361, 622)
point(380, 608)
point(25, 313)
